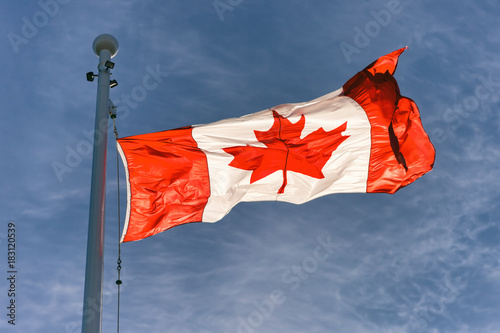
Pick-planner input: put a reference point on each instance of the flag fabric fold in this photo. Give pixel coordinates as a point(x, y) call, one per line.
point(364, 137)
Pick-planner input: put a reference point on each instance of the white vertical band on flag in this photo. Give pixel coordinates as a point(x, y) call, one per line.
point(345, 171)
point(127, 178)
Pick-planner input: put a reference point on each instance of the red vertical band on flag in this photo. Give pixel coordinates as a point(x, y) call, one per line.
point(168, 181)
point(400, 150)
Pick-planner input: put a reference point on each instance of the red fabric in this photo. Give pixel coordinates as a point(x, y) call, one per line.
point(401, 151)
point(170, 195)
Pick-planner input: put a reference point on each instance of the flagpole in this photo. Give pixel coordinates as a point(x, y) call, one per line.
point(105, 47)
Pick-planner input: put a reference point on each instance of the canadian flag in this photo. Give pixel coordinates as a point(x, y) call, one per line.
point(364, 137)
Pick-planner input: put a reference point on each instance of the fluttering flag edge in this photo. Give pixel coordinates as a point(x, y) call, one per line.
point(378, 78)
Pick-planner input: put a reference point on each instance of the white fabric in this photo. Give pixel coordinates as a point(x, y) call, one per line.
point(345, 171)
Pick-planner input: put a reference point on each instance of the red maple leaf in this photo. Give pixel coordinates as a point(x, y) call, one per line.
point(287, 151)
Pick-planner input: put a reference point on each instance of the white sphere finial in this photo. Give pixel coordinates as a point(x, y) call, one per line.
point(105, 42)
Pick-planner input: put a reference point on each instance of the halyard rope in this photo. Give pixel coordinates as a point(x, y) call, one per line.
point(119, 261)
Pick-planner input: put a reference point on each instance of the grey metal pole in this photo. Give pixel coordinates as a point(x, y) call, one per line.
point(105, 47)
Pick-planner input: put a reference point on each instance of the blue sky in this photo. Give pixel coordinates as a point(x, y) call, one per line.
point(425, 259)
